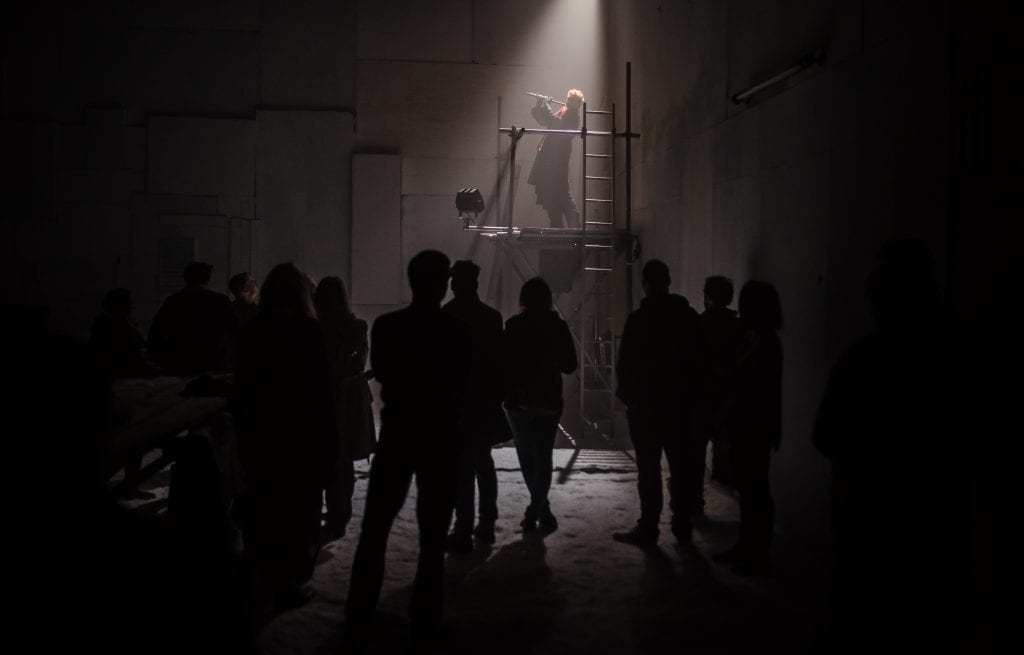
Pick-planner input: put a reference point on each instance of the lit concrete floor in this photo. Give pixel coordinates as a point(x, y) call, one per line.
point(576, 590)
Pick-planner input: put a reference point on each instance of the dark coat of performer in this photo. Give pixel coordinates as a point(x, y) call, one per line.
point(550, 173)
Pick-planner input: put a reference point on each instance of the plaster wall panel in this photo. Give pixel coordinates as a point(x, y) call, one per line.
point(696, 215)
point(146, 210)
point(795, 124)
point(431, 176)
point(738, 146)
point(211, 239)
point(736, 227)
point(419, 30)
point(307, 54)
point(135, 148)
point(425, 226)
point(378, 269)
point(241, 248)
point(530, 32)
point(201, 156)
point(427, 110)
point(29, 153)
point(303, 192)
point(125, 184)
point(157, 71)
point(71, 140)
point(85, 186)
point(223, 15)
point(237, 206)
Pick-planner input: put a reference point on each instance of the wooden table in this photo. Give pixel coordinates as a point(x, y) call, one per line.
point(148, 414)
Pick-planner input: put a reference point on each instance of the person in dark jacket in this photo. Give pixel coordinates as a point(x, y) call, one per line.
point(660, 370)
point(755, 425)
point(539, 349)
point(899, 411)
point(347, 350)
point(115, 338)
point(550, 172)
point(421, 356)
point(723, 333)
point(286, 435)
point(193, 330)
point(482, 421)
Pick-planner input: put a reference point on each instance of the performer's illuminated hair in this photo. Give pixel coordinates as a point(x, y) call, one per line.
point(574, 97)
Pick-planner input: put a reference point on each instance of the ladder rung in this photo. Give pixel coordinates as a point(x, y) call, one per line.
point(598, 177)
point(599, 223)
point(597, 269)
point(598, 156)
point(603, 112)
point(597, 200)
point(596, 245)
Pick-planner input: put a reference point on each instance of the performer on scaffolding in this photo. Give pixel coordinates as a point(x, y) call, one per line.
point(550, 173)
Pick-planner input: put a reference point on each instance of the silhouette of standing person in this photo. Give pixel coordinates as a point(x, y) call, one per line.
point(482, 421)
point(895, 420)
point(115, 338)
point(193, 329)
point(286, 435)
point(347, 350)
point(421, 356)
point(538, 350)
point(755, 425)
point(659, 372)
point(723, 334)
point(550, 172)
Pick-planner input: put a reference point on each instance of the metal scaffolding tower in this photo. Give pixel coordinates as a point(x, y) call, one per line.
point(604, 253)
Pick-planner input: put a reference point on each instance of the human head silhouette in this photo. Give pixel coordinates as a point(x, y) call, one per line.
point(286, 293)
point(718, 292)
point(428, 276)
point(535, 295)
point(655, 278)
point(465, 276)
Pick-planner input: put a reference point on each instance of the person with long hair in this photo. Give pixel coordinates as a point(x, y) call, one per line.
point(538, 348)
point(347, 350)
point(286, 433)
point(755, 425)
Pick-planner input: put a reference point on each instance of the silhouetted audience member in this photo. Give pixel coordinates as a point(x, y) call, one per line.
point(538, 350)
point(894, 422)
point(119, 585)
point(660, 370)
point(421, 357)
point(723, 334)
point(286, 434)
point(347, 350)
point(247, 296)
point(193, 330)
point(116, 340)
point(755, 425)
point(482, 421)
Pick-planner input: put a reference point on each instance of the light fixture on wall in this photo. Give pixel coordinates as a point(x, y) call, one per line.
point(468, 201)
point(805, 62)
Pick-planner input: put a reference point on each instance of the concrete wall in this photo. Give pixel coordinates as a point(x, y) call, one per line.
point(139, 134)
point(436, 80)
point(798, 187)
